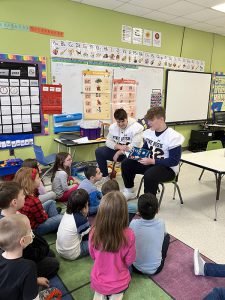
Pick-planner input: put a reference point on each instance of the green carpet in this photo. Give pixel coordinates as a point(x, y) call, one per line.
point(76, 277)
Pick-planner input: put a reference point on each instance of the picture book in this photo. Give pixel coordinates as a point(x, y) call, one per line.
point(138, 153)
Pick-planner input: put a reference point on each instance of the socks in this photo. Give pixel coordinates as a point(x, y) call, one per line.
point(199, 263)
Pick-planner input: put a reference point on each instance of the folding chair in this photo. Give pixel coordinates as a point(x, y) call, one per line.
point(176, 188)
point(44, 160)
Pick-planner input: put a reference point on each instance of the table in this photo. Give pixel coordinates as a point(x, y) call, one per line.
point(70, 144)
point(213, 161)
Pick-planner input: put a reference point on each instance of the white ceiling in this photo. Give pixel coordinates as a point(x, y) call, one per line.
point(195, 14)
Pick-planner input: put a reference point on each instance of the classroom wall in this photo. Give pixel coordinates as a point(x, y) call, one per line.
point(95, 25)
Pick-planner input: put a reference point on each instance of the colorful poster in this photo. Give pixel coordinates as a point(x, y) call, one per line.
point(156, 98)
point(124, 96)
point(51, 99)
point(96, 92)
point(217, 102)
point(126, 34)
point(137, 35)
point(147, 37)
point(157, 39)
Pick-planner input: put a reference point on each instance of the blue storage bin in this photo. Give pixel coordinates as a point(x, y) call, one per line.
point(10, 166)
point(67, 117)
point(59, 129)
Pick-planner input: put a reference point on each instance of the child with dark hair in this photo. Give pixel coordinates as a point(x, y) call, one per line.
point(93, 175)
point(112, 185)
point(41, 191)
point(11, 200)
point(152, 241)
point(62, 183)
point(73, 231)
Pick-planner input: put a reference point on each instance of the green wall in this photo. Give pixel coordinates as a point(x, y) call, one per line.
point(94, 25)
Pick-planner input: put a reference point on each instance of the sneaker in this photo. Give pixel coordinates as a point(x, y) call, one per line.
point(129, 194)
point(103, 180)
point(198, 263)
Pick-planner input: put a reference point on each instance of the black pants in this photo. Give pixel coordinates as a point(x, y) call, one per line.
point(48, 266)
point(165, 246)
point(153, 174)
point(102, 155)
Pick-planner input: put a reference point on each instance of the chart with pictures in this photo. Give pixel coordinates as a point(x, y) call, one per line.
point(19, 98)
point(218, 92)
point(124, 96)
point(96, 93)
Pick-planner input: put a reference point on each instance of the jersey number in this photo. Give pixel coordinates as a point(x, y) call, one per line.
point(158, 153)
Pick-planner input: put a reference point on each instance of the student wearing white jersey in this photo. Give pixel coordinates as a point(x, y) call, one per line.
point(124, 134)
point(163, 162)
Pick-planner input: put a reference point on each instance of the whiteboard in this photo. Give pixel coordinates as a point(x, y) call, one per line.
point(187, 96)
point(69, 74)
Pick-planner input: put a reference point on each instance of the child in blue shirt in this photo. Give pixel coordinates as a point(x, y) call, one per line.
point(93, 175)
point(152, 241)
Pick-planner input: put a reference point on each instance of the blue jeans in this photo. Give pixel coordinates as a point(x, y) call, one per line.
point(214, 270)
point(216, 294)
point(84, 250)
point(52, 223)
point(102, 155)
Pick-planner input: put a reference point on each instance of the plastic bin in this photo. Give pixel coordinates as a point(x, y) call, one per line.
point(10, 166)
point(91, 133)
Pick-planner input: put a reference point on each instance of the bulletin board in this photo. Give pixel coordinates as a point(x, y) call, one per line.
point(19, 98)
point(217, 101)
point(69, 74)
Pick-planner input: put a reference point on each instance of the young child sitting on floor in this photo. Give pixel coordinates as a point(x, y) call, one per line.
point(112, 247)
point(41, 191)
point(112, 185)
point(93, 175)
point(18, 277)
point(11, 200)
point(152, 242)
point(43, 218)
point(62, 183)
point(73, 231)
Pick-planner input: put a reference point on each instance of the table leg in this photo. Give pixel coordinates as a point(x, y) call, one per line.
point(218, 183)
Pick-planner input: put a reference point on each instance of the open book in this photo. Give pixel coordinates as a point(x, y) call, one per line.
point(138, 153)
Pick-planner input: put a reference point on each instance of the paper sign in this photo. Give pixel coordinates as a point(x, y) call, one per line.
point(26, 128)
point(14, 90)
point(25, 100)
point(24, 91)
point(34, 91)
point(6, 110)
point(17, 119)
point(35, 109)
point(31, 72)
point(14, 82)
point(15, 73)
point(4, 82)
point(16, 110)
point(34, 100)
point(33, 82)
point(17, 128)
point(4, 90)
point(24, 82)
point(26, 119)
point(5, 100)
point(7, 129)
point(36, 118)
point(15, 100)
point(4, 72)
point(6, 120)
point(26, 109)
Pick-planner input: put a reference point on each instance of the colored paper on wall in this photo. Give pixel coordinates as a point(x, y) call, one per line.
point(51, 99)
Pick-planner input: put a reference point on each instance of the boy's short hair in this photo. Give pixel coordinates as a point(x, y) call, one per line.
point(9, 190)
point(120, 114)
point(12, 229)
point(77, 201)
point(158, 112)
point(109, 186)
point(148, 206)
point(90, 171)
point(30, 163)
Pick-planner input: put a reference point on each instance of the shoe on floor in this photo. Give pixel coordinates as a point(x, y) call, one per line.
point(116, 297)
point(198, 263)
point(129, 194)
point(98, 296)
point(59, 209)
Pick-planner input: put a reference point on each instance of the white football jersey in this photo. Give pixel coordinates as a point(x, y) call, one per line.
point(160, 145)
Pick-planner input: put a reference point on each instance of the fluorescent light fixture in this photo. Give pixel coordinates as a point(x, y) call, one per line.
point(219, 7)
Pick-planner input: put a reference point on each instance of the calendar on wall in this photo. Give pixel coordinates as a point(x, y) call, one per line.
point(20, 110)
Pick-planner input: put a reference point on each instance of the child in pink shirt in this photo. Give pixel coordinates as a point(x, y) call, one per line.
point(112, 247)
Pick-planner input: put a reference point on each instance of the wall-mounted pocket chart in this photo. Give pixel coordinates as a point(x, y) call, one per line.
point(19, 98)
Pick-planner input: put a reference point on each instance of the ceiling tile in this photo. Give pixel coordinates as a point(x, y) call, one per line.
point(205, 14)
point(217, 21)
point(206, 3)
point(109, 4)
point(152, 4)
point(181, 8)
point(159, 16)
point(128, 8)
point(202, 26)
point(182, 21)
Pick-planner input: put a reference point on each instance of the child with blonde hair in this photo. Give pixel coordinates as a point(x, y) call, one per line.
point(112, 247)
point(62, 183)
point(44, 218)
point(18, 276)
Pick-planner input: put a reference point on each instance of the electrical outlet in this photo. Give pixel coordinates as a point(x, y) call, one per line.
point(11, 152)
